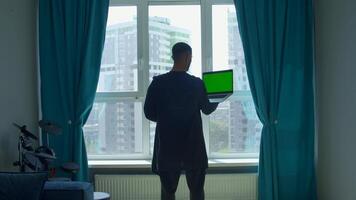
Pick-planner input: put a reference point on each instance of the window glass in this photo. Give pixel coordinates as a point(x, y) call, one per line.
point(234, 126)
point(118, 72)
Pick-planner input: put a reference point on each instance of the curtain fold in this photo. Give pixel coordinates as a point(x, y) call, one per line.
point(71, 40)
point(277, 37)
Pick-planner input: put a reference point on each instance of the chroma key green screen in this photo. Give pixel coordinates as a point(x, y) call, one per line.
point(218, 81)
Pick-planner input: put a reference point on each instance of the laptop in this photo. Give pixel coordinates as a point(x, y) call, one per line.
point(219, 85)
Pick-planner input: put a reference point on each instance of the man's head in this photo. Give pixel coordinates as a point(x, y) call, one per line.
point(182, 56)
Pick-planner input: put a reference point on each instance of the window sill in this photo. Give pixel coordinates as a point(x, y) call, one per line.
point(146, 164)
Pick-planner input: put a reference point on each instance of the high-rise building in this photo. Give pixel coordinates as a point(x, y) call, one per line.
point(245, 127)
point(162, 36)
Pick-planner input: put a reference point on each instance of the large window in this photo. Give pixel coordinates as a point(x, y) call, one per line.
point(139, 38)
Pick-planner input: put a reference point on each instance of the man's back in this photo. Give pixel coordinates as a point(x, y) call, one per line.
point(174, 101)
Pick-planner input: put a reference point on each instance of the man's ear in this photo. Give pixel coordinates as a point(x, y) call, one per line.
point(187, 56)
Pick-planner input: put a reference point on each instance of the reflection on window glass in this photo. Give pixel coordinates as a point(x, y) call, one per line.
point(234, 126)
point(118, 72)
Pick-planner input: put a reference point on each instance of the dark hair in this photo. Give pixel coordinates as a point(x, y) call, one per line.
point(180, 48)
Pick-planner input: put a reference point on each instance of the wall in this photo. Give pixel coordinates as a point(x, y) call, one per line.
point(336, 98)
point(18, 82)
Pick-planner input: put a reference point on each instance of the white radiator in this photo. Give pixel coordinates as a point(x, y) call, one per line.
point(147, 187)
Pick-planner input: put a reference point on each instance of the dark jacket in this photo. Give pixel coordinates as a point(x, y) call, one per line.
point(174, 100)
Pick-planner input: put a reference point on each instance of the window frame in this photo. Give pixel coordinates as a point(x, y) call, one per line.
point(142, 9)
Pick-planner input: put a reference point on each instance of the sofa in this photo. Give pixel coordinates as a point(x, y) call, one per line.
point(69, 190)
point(34, 186)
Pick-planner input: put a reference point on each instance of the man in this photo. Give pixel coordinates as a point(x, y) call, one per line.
point(174, 100)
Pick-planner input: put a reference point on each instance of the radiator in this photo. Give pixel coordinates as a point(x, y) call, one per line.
point(147, 187)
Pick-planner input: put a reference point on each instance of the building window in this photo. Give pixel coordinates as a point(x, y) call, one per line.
point(138, 47)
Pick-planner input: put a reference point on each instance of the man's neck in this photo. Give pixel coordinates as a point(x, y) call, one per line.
point(178, 68)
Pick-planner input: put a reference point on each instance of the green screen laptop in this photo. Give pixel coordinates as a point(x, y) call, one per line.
point(219, 85)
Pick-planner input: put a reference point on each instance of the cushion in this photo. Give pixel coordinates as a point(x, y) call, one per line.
point(18, 186)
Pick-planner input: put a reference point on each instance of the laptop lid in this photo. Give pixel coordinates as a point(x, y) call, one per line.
point(219, 82)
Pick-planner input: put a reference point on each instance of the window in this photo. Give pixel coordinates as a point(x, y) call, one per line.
point(119, 63)
point(139, 38)
point(168, 26)
point(234, 124)
point(107, 127)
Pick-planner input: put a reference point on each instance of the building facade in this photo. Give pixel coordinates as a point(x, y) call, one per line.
point(245, 127)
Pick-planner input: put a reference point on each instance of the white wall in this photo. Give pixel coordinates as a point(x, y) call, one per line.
point(18, 81)
point(336, 98)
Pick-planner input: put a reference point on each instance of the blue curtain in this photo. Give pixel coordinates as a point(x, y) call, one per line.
point(277, 37)
point(71, 40)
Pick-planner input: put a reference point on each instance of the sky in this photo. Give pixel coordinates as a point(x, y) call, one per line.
point(191, 21)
